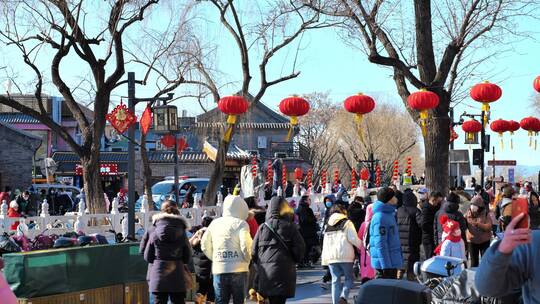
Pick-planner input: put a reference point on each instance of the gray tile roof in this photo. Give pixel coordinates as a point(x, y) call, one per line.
point(18, 118)
point(244, 125)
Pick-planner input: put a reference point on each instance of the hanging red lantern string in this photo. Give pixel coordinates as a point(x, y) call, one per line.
point(254, 166)
point(500, 126)
point(360, 105)
point(423, 101)
point(353, 178)
point(298, 173)
point(336, 177)
point(232, 106)
point(293, 107)
point(378, 176)
point(323, 179)
point(409, 166)
point(396, 170)
point(513, 126)
point(168, 140)
point(309, 178)
point(284, 177)
point(536, 84)
point(486, 93)
point(269, 172)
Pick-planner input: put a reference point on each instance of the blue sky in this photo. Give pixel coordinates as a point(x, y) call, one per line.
point(328, 64)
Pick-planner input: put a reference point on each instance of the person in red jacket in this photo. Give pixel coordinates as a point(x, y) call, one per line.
point(252, 223)
point(13, 211)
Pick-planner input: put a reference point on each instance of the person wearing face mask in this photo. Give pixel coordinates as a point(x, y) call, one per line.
point(479, 230)
point(423, 196)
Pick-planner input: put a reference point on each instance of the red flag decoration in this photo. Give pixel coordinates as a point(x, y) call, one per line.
point(121, 118)
point(146, 120)
point(182, 145)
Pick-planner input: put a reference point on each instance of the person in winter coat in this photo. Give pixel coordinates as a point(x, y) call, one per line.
point(329, 201)
point(277, 248)
point(340, 241)
point(409, 218)
point(366, 271)
point(168, 251)
point(428, 211)
point(479, 230)
point(13, 211)
point(203, 265)
point(534, 210)
point(308, 227)
point(452, 244)
point(356, 212)
point(423, 196)
point(228, 244)
point(451, 209)
point(25, 206)
point(384, 245)
point(7, 296)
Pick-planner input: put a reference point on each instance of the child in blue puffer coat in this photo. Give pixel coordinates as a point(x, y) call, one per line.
point(385, 248)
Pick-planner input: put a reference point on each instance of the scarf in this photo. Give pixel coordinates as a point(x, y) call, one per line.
point(451, 238)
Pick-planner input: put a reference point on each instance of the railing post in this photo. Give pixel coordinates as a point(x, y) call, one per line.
point(3, 215)
point(219, 199)
point(116, 217)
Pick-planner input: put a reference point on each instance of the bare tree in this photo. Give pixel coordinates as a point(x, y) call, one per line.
point(49, 32)
point(426, 44)
point(536, 103)
point(277, 25)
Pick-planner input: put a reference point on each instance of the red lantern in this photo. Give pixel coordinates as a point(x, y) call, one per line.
point(353, 178)
point(486, 93)
point(536, 84)
point(513, 126)
point(298, 173)
point(471, 127)
point(359, 104)
point(364, 174)
point(146, 120)
point(182, 145)
point(232, 106)
point(168, 140)
point(293, 107)
point(121, 118)
point(423, 101)
point(499, 126)
point(532, 126)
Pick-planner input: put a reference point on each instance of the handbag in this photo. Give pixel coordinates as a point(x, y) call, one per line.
point(188, 279)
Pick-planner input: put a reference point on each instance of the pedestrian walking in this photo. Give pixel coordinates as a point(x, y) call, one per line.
point(339, 246)
point(428, 211)
point(409, 218)
point(328, 203)
point(479, 230)
point(451, 209)
point(203, 265)
point(168, 251)
point(366, 271)
point(534, 210)
point(385, 248)
point(277, 248)
point(228, 244)
point(308, 228)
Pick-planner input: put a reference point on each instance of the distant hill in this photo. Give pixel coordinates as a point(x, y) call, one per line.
point(527, 172)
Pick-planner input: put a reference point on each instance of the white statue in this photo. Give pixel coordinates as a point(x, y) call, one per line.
point(44, 208)
point(3, 208)
point(219, 199)
point(79, 224)
point(114, 209)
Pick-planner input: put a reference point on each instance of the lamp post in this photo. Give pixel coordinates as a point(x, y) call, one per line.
point(132, 101)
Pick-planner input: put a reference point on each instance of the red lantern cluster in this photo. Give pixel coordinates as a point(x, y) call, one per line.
point(168, 140)
point(536, 84)
point(353, 178)
point(409, 166)
point(471, 127)
point(232, 106)
point(378, 176)
point(254, 166)
point(423, 101)
point(486, 93)
point(336, 177)
point(364, 174)
point(298, 173)
point(293, 107)
point(396, 170)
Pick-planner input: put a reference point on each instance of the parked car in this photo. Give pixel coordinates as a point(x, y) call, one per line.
point(73, 191)
point(164, 190)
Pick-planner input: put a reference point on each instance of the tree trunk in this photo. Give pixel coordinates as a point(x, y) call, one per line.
point(436, 144)
point(92, 183)
point(147, 173)
point(216, 177)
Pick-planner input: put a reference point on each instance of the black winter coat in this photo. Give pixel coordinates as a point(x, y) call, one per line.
point(452, 210)
point(276, 265)
point(308, 224)
point(203, 265)
point(427, 223)
point(167, 249)
point(409, 218)
point(356, 214)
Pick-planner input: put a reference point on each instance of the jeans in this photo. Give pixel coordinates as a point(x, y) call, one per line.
point(476, 251)
point(340, 290)
point(163, 297)
point(227, 285)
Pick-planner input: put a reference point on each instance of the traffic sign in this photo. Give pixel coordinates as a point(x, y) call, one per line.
point(502, 163)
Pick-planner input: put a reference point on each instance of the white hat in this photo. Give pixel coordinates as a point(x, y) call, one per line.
point(13, 204)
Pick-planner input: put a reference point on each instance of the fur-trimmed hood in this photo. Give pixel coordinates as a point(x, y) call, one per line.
point(170, 217)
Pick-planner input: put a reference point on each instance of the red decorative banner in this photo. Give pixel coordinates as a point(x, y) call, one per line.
point(121, 118)
point(146, 120)
point(104, 169)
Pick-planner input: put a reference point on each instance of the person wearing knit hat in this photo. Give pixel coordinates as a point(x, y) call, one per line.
point(385, 247)
point(479, 229)
point(452, 244)
point(451, 209)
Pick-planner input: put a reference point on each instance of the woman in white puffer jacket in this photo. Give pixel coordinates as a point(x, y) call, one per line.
point(340, 240)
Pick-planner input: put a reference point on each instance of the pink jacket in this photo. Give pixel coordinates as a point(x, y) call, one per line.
point(366, 271)
point(6, 295)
